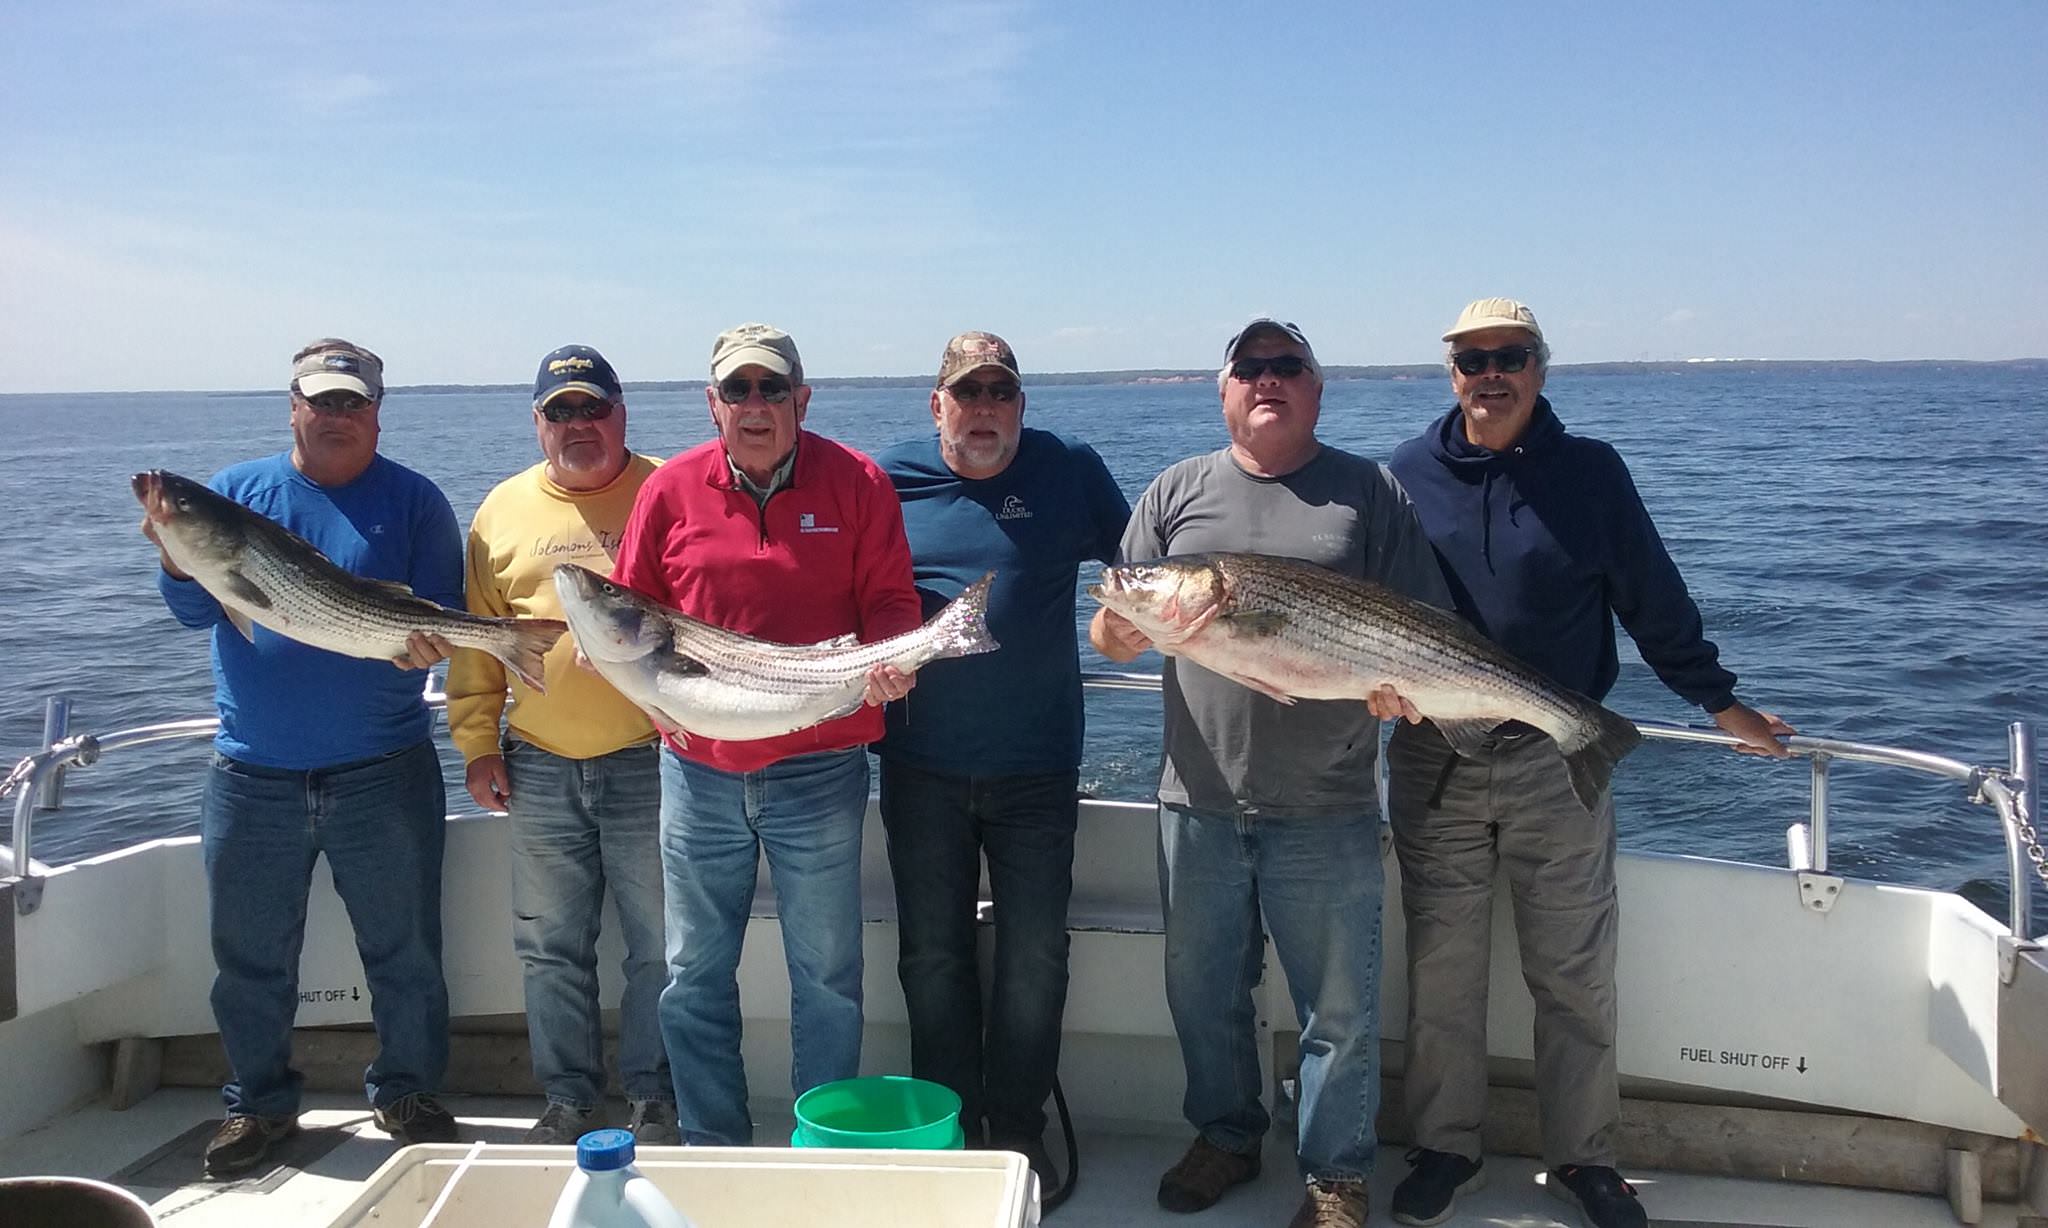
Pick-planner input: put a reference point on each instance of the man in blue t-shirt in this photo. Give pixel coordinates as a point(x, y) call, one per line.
point(983, 758)
point(322, 753)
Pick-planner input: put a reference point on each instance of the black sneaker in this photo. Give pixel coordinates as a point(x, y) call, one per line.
point(1427, 1194)
point(1603, 1198)
point(243, 1140)
point(416, 1117)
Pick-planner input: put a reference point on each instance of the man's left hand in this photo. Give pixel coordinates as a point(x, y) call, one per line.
point(1759, 731)
point(886, 682)
point(1389, 704)
point(423, 651)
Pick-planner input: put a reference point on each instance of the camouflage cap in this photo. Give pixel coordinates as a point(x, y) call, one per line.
point(759, 345)
point(331, 364)
point(970, 352)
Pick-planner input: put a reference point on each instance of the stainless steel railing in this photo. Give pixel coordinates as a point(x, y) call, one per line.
point(37, 783)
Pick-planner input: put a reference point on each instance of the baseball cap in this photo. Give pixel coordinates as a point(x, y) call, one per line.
point(331, 364)
point(759, 344)
point(575, 368)
point(970, 352)
point(1268, 324)
point(1485, 313)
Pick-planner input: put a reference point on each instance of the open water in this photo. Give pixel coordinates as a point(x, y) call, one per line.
point(1867, 547)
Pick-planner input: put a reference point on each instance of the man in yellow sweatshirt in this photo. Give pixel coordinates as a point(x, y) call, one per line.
point(576, 769)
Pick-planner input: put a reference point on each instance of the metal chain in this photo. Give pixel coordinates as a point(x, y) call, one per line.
point(21, 772)
point(2035, 853)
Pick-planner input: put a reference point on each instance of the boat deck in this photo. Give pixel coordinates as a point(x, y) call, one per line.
point(153, 1148)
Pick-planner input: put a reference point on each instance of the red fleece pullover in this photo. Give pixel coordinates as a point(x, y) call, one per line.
point(825, 557)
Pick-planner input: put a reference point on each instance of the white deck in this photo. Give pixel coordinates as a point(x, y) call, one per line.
point(1119, 1174)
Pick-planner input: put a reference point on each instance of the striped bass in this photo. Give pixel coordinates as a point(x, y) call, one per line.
point(693, 678)
point(263, 574)
point(1293, 630)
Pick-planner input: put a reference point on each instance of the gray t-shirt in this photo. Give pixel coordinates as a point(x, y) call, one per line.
point(1228, 749)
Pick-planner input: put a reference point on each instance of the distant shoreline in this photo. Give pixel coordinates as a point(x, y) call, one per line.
point(1035, 379)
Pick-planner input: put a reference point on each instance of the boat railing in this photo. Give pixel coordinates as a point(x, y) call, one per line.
point(37, 783)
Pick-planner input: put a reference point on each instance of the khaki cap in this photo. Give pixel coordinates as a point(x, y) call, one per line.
point(1482, 314)
point(761, 345)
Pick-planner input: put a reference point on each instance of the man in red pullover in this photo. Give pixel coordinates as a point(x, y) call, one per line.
point(782, 534)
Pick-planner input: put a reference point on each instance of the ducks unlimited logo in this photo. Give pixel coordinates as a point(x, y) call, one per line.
point(1013, 509)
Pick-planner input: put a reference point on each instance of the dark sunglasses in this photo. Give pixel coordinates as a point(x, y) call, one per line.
point(968, 391)
point(1507, 360)
point(735, 389)
point(559, 411)
point(1284, 366)
point(337, 402)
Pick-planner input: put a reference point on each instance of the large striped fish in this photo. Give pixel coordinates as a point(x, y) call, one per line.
point(693, 678)
point(1293, 630)
point(266, 575)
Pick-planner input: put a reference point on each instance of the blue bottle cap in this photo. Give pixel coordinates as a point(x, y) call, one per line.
point(603, 1151)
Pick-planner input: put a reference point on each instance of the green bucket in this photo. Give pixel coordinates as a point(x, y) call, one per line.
point(887, 1111)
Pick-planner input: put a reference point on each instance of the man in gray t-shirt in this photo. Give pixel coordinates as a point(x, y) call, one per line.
point(1270, 807)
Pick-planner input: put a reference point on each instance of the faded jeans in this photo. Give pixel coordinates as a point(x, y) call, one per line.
point(939, 827)
point(805, 814)
point(382, 824)
point(578, 827)
point(1319, 883)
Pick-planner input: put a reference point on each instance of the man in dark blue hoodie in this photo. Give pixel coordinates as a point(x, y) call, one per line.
point(1544, 542)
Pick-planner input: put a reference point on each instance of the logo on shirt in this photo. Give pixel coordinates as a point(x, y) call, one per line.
point(1013, 509)
point(807, 522)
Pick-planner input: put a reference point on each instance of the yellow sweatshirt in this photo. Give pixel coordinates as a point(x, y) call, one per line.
point(525, 526)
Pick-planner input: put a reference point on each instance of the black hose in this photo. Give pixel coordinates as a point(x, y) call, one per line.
point(1049, 1201)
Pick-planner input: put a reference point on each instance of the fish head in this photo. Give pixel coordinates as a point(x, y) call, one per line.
point(195, 524)
point(611, 622)
point(1164, 597)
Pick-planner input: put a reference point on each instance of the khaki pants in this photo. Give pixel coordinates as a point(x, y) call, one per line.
point(1456, 821)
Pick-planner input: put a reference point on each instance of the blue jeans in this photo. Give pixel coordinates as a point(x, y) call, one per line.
point(578, 825)
point(1319, 883)
point(939, 826)
point(381, 823)
point(805, 813)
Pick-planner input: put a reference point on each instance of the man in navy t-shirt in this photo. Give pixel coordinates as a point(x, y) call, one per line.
point(983, 758)
point(323, 753)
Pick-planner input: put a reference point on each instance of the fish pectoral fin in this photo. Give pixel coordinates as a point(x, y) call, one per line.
point(850, 640)
point(1467, 737)
point(390, 588)
point(1255, 622)
point(241, 623)
point(1262, 687)
point(684, 667)
point(245, 591)
point(663, 725)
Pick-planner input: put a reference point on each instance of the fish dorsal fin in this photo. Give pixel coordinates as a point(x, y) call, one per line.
point(1467, 737)
point(850, 640)
point(1255, 622)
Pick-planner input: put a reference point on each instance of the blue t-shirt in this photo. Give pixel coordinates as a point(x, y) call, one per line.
point(284, 704)
point(1017, 710)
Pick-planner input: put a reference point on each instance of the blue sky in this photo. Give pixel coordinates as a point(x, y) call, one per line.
point(193, 188)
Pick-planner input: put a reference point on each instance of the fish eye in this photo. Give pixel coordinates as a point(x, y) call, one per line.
point(609, 590)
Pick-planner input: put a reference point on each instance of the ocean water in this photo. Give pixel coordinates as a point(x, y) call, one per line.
point(1867, 547)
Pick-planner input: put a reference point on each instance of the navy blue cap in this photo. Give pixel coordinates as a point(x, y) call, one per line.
point(575, 368)
point(603, 1151)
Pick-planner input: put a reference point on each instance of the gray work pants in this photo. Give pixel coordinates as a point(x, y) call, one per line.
point(1509, 808)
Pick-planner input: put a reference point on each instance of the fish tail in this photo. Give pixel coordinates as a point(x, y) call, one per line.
point(962, 627)
point(1610, 737)
point(527, 653)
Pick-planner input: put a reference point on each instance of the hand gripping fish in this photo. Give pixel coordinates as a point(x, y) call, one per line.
point(1293, 630)
point(693, 678)
point(263, 573)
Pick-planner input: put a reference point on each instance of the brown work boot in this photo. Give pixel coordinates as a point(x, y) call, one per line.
point(1330, 1203)
point(1202, 1175)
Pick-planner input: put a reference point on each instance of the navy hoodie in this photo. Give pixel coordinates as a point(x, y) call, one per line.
point(1544, 544)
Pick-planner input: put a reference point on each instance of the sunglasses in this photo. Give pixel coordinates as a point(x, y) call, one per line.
point(968, 391)
point(1507, 360)
point(559, 411)
point(735, 389)
point(1284, 366)
point(337, 402)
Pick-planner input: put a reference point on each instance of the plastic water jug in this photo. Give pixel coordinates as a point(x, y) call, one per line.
point(606, 1191)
